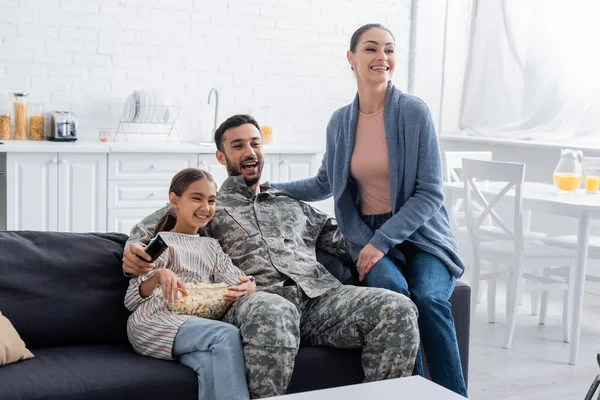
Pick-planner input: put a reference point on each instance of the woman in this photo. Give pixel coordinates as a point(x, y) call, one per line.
point(383, 167)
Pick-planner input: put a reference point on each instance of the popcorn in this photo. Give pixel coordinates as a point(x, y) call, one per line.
point(203, 300)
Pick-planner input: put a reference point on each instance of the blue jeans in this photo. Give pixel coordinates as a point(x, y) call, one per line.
point(427, 281)
point(213, 349)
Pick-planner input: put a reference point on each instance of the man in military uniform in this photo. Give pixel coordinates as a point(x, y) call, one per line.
point(273, 237)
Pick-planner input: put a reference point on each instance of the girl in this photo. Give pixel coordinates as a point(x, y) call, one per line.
point(213, 349)
point(383, 167)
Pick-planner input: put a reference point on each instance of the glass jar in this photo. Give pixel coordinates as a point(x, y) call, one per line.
point(266, 129)
point(20, 107)
point(4, 126)
point(36, 121)
point(568, 174)
point(104, 135)
point(266, 132)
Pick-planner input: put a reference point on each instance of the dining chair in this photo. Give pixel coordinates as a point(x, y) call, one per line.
point(452, 166)
point(452, 173)
point(507, 246)
point(453, 163)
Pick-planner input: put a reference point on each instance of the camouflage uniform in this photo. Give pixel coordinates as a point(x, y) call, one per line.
point(273, 237)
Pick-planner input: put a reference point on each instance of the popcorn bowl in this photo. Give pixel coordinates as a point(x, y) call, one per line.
point(204, 298)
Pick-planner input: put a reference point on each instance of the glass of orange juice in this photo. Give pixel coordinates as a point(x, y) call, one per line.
point(266, 134)
point(592, 180)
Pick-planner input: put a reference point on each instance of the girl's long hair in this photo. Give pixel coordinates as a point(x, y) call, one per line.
point(179, 184)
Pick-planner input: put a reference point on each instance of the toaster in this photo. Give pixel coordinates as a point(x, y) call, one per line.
point(63, 126)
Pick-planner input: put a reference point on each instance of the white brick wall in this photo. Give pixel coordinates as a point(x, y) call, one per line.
point(283, 61)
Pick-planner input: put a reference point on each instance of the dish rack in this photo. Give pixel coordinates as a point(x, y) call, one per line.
point(150, 119)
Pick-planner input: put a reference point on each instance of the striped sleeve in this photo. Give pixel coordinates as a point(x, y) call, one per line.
point(132, 296)
point(224, 263)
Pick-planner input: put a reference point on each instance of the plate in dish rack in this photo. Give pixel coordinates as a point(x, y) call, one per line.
point(136, 106)
point(145, 100)
point(159, 107)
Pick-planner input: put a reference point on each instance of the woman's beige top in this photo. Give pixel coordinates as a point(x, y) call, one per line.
point(369, 164)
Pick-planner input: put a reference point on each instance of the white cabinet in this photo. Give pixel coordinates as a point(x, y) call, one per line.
point(138, 185)
point(98, 192)
point(56, 192)
point(32, 191)
point(276, 168)
point(148, 166)
point(293, 167)
point(272, 168)
point(82, 192)
point(209, 163)
point(296, 166)
point(123, 219)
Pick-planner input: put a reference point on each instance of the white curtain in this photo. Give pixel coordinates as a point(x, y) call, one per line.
point(534, 70)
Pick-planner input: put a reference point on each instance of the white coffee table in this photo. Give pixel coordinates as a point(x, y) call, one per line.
point(414, 387)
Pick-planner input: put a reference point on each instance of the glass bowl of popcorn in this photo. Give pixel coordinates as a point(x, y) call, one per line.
point(204, 297)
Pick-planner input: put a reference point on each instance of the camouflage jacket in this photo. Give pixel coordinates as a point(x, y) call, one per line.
point(270, 236)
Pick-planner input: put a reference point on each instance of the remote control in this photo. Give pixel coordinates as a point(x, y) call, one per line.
point(155, 248)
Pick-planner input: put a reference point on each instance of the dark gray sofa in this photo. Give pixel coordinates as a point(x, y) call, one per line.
point(63, 292)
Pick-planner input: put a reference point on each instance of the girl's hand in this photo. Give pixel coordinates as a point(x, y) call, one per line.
point(367, 258)
point(171, 285)
point(246, 286)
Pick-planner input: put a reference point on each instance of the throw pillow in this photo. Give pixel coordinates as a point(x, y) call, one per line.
point(12, 348)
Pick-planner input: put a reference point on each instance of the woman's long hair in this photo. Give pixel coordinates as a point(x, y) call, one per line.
point(179, 184)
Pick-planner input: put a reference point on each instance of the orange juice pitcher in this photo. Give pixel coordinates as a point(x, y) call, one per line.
point(568, 174)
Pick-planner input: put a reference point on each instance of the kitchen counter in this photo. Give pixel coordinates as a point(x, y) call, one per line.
point(576, 143)
point(157, 147)
point(44, 146)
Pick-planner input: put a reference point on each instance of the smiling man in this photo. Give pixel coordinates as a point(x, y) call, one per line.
point(273, 237)
point(241, 149)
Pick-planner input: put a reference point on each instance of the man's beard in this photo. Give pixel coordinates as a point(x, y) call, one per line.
point(232, 170)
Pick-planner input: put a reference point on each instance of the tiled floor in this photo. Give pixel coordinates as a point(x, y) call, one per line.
point(536, 366)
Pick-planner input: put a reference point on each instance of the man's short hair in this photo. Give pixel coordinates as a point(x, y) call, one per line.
point(233, 122)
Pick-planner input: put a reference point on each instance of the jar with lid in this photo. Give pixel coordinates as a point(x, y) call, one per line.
point(36, 121)
point(5, 119)
point(20, 107)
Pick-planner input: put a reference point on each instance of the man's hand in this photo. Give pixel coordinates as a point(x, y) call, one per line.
point(368, 257)
point(134, 265)
point(171, 285)
point(245, 287)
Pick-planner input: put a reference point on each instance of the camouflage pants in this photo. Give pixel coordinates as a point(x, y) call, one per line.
point(381, 322)
point(269, 326)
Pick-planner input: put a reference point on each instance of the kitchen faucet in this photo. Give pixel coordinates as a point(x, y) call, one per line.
point(216, 106)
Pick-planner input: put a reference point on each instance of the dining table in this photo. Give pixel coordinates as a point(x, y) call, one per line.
point(547, 198)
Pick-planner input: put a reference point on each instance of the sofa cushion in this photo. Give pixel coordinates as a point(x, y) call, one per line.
point(336, 267)
point(63, 288)
point(96, 372)
point(12, 347)
point(115, 372)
